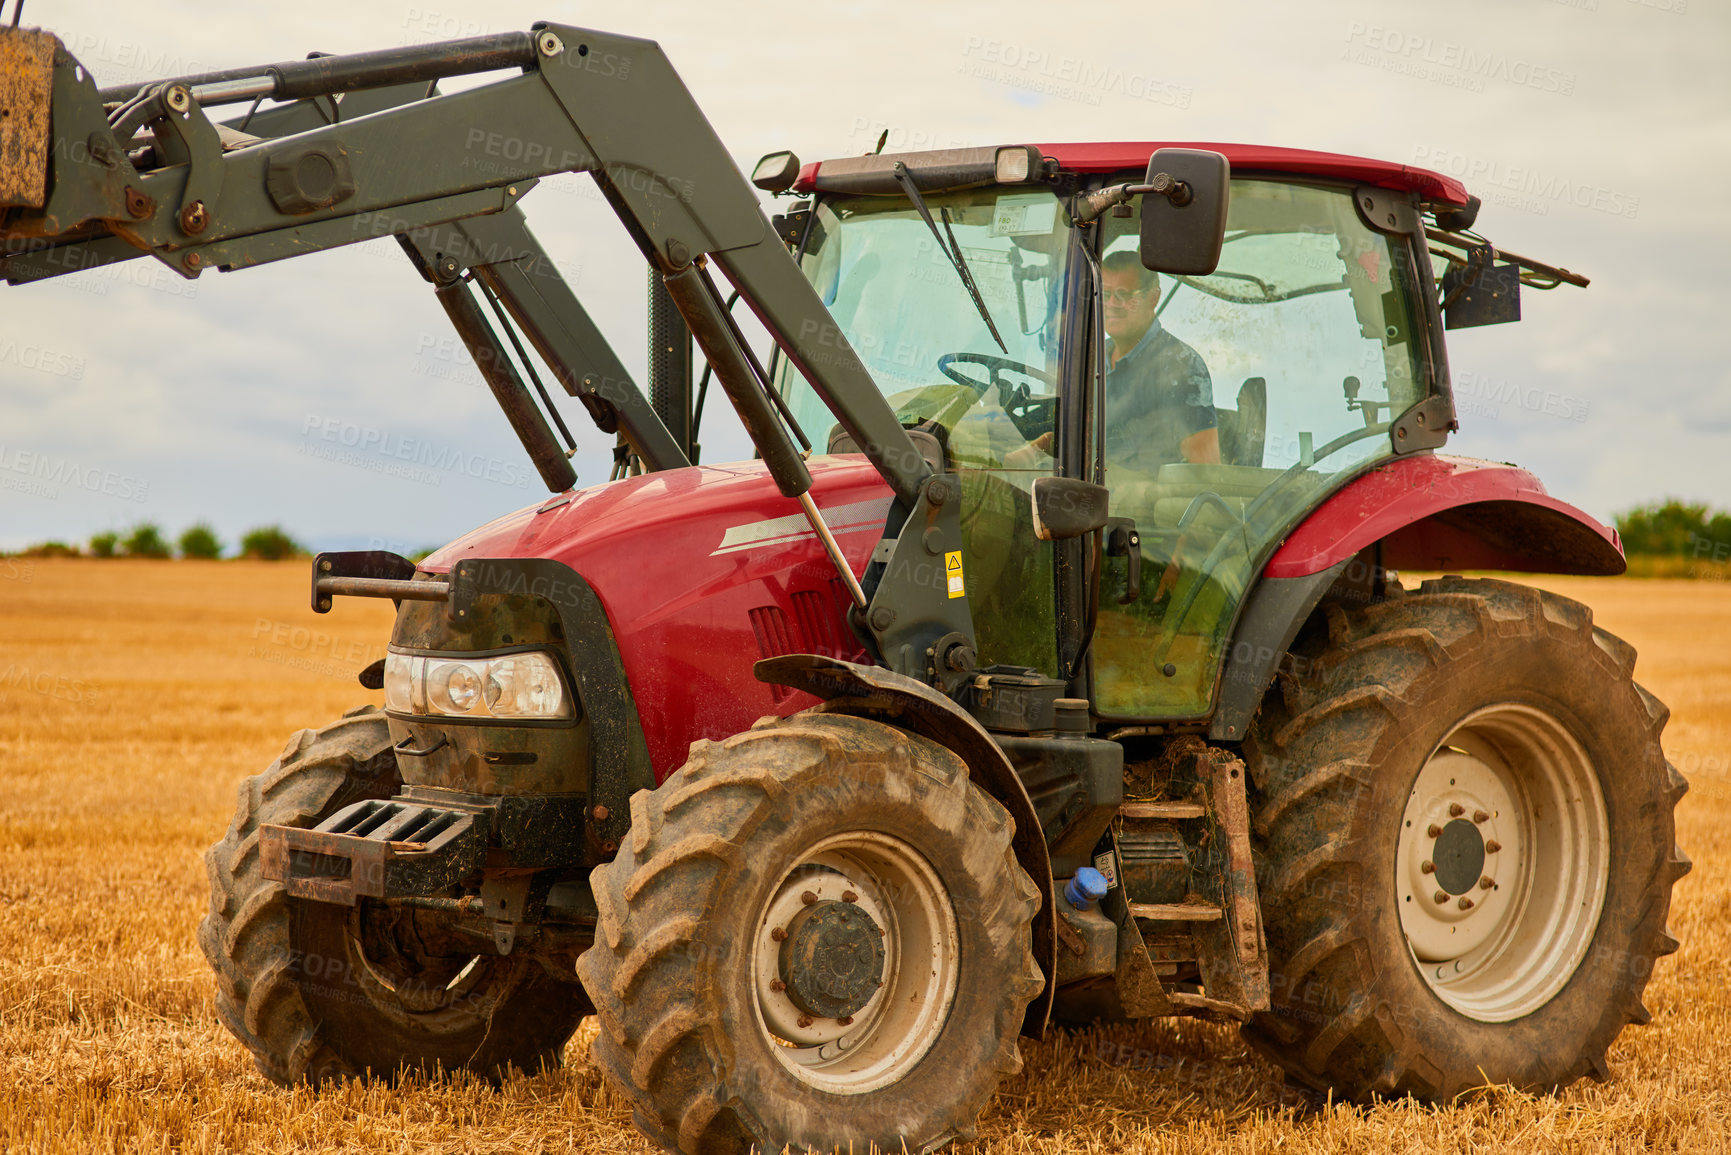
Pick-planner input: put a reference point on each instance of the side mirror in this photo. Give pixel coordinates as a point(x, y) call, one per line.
point(776, 172)
point(1184, 216)
point(1065, 507)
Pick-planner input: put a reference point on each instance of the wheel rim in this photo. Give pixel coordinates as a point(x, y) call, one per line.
point(881, 881)
point(1503, 862)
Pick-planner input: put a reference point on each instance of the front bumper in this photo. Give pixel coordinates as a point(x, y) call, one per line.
point(422, 843)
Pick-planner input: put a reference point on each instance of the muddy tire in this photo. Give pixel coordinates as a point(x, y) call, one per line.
point(1465, 825)
point(819, 825)
point(317, 991)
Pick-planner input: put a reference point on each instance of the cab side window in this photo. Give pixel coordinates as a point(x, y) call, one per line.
point(1235, 402)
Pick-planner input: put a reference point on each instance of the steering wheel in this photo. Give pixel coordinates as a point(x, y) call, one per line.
point(993, 364)
point(1031, 415)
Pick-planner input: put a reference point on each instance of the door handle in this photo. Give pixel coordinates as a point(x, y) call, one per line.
point(1123, 540)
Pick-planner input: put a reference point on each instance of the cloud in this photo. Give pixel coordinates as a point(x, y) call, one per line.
point(208, 395)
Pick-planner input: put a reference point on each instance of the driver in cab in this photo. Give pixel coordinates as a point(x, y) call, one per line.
point(1159, 397)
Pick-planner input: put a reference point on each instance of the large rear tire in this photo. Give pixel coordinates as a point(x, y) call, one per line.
point(318, 991)
point(816, 936)
point(1465, 822)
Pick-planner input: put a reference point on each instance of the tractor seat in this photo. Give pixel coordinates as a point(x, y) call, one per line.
point(1244, 430)
point(924, 436)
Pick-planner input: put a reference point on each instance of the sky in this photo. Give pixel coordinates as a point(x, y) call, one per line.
point(1597, 132)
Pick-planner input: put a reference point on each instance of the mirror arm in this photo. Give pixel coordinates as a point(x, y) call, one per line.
point(1085, 207)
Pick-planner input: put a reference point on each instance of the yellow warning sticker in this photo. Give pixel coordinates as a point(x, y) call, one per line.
point(953, 571)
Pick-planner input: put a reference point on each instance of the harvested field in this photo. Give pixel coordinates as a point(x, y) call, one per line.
point(135, 695)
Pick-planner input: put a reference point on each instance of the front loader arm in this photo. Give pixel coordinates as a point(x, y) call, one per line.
point(586, 101)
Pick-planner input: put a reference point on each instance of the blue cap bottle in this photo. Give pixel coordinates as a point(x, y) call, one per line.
point(1086, 889)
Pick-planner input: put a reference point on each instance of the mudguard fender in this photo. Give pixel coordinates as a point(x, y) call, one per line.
point(1424, 512)
point(1434, 511)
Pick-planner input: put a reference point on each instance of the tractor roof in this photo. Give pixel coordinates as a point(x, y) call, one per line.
point(1118, 155)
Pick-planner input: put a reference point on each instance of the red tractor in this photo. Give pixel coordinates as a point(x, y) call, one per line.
point(1050, 662)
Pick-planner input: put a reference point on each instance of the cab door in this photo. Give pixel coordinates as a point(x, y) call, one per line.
point(1310, 334)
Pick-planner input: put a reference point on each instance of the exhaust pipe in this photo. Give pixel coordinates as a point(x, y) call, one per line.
point(26, 94)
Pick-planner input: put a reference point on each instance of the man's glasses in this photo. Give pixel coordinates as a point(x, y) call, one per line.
point(1123, 296)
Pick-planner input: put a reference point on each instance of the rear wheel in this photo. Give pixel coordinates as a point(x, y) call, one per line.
point(319, 991)
point(816, 936)
point(1465, 824)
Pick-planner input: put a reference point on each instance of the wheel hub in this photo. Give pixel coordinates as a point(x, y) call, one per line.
point(832, 960)
point(1458, 841)
point(855, 962)
point(1459, 857)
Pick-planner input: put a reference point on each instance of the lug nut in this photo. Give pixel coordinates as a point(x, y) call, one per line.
point(1440, 897)
point(808, 898)
point(777, 985)
point(1492, 846)
point(1456, 810)
point(599, 813)
point(1481, 816)
point(805, 1020)
point(846, 1020)
point(778, 935)
point(1487, 882)
point(849, 896)
point(1466, 903)
point(1427, 867)
point(1435, 831)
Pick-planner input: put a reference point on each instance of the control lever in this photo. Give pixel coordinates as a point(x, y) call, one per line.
point(1350, 386)
point(1123, 540)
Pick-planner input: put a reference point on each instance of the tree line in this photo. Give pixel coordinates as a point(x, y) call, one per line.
point(1674, 528)
point(200, 541)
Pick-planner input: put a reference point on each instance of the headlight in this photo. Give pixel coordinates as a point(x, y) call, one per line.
point(525, 685)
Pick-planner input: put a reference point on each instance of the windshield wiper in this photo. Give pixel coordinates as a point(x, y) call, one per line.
point(950, 248)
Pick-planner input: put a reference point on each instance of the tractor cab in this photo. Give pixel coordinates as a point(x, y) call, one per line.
point(1025, 337)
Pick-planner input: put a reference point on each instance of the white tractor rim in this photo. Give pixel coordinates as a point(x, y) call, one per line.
point(1503, 862)
point(891, 883)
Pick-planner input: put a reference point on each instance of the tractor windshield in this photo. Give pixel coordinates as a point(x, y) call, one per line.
point(899, 299)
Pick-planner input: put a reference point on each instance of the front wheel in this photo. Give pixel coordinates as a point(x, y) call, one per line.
point(1465, 822)
point(318, 991)
point(817, 935)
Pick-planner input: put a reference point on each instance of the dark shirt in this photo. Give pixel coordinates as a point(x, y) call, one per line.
point(1157, 394)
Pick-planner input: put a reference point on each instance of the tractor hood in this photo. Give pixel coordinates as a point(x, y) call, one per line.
point(702, 571)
